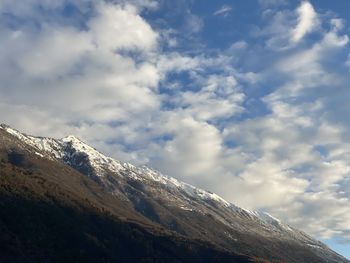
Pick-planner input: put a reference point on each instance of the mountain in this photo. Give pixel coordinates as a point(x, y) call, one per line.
point(114, 206)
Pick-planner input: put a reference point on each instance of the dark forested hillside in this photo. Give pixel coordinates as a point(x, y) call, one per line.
point(50, 213)
point(63, 201)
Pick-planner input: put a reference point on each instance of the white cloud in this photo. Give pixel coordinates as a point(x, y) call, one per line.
point(175, 62)
point(193, 23)
point(224, 11)
point(307, 21)
point(219, 98)
point(195, 149)
point(121, 28)
point(82, 73)
point(286, 28)
point(53, 52)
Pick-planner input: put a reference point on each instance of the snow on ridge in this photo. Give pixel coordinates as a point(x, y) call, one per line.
point(266, 217)
point(187, 188)
point(195, 192)
point(29, 140)
point(98, 160)
point(101, 163)
point(56, 148)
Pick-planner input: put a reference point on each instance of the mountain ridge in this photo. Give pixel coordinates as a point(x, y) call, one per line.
point(152, 173)
point(174, 205)
point(52, 213)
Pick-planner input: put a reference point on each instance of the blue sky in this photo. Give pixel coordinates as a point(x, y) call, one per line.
point(248, 99)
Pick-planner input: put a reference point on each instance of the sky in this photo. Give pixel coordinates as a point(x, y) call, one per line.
point(247, 99)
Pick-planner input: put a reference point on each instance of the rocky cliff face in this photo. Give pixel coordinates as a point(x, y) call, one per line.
point(169, 204)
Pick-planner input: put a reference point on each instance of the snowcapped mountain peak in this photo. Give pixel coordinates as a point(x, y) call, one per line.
point(10, 130)
point(100, 163)
point(81, 146)
point(71, 138)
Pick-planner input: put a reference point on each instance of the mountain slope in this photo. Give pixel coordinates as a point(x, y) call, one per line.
point(52, 213)
point(180, 207)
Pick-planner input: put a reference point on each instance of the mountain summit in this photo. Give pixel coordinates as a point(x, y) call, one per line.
point(75, 175)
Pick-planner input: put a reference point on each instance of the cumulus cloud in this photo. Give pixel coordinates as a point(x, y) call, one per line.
point(44, 49)
point(298, 141)
point(121, 28)
point(83, 73)
point(195, 156)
